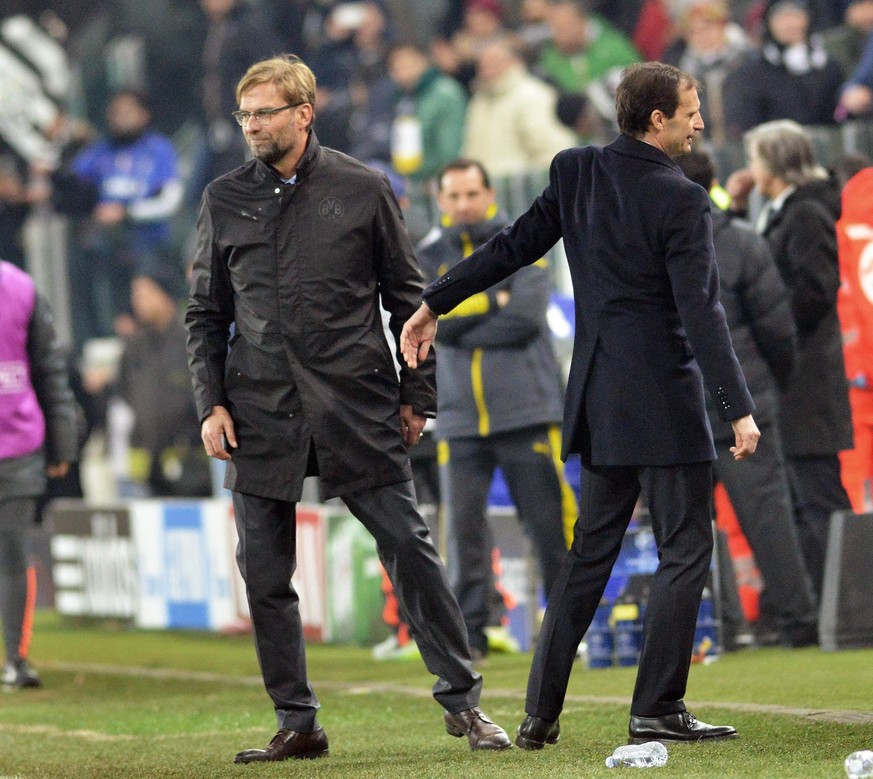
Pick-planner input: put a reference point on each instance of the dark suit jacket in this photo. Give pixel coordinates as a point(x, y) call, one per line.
point(649, 325)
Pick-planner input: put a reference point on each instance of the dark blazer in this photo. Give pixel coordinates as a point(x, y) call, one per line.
point(649, 325)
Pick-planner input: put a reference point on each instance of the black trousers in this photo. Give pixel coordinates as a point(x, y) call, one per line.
point(535, 486)
point(817, 492)
point(759, 492)
point(266, 555)
point(680, 504)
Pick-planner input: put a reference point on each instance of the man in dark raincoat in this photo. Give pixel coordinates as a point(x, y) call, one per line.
point(296, 249)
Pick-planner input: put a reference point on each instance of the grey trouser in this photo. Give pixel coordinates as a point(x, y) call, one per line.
point(266, 556)
point(16, 521)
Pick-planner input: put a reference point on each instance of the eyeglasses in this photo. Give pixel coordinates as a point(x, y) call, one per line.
point(263, 115)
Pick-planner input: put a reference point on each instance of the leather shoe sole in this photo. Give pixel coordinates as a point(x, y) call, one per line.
point(535, 733)
point(480, 731)
point(682, 726)
point(288, 745)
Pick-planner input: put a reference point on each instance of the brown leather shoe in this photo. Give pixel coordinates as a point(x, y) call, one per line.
point(288, 744)
point(480, 731)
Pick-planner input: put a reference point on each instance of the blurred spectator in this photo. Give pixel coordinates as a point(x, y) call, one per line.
point(364, 44)
point(167, 456)
point(127, 184)
point(235, 34)
point(646, 23)
point(855, 308)
point(35, 82)
point(799, 224)
point(846, 42)
point(512, 126)
point(758, 310)
point(534, 30)
point(429, 121)
point(38, 437)
point(790, 77)
point(584, 48)
point(576, 111)
point(709, 47)
point(856, 98)
point(500, 401)
point(483, 22)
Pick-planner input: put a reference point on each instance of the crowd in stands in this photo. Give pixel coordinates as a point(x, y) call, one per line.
point(115, 116)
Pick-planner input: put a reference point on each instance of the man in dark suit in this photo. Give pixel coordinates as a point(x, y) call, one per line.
point(649, 331)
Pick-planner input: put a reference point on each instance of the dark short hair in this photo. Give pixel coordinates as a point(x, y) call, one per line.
point(646, 87)
point(463, 164)
point(698, 167)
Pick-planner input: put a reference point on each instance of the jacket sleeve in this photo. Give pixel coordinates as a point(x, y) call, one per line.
point(530, 237)
point(49, 375)
point(767, 304)
point(518, 322)
point(208, 318)
point(690, 260)
point(400, 286)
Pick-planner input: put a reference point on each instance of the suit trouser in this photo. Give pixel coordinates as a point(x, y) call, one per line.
point(817, 492)
point(266, 555)
point(534, 485)
point(16, 521)
point(680, 504)
point(759, 492)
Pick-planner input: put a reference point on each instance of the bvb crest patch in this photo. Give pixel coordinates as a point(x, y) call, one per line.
point(331, 208)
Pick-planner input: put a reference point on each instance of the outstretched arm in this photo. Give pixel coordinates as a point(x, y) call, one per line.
point(417, 336)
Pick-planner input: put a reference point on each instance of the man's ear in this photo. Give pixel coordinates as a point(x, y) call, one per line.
point(656, 119)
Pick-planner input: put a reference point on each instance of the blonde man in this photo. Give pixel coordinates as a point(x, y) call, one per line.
point(297, 249)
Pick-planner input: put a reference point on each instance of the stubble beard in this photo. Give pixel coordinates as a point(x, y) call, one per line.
point(270, 152)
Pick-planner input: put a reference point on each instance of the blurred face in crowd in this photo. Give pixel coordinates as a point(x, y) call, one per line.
point(859, 15)
point(569, 28)
point(705, 30)
point(217, 9)
point(283, 139)
point(406, 66)
point(494, 61)
point(463, 196)
point(481, 23)
point(761, 175)
point(126, 117)
point(674, 135)
point(788, 25)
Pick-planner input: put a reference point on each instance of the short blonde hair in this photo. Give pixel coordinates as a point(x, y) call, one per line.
point(290, 74)
point(785, 150)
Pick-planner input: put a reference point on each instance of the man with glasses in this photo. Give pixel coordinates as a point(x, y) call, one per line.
point(297, 249)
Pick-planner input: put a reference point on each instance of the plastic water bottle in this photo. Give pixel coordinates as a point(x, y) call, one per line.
point(859, 765)
point(651, 754)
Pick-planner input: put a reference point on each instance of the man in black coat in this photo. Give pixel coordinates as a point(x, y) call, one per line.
point(799, 223)
point(649, 328)
point(758, 310)
point(297, 249)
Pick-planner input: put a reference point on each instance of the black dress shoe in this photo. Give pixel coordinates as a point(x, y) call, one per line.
point(535, 733)
point(683, 726)
point(480, 731)
point(287, 745)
